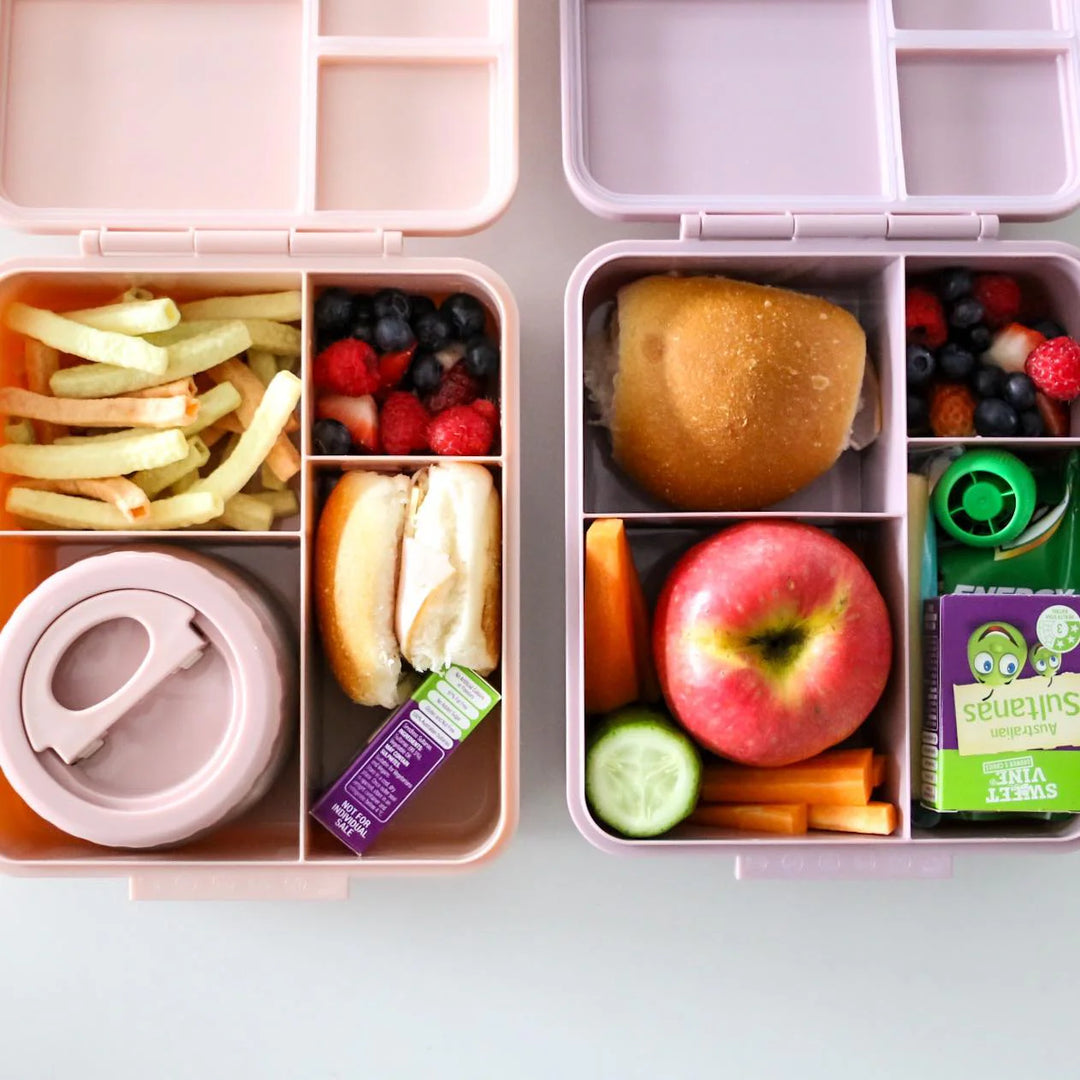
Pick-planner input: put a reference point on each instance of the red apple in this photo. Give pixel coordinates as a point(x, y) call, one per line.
point(772, 642)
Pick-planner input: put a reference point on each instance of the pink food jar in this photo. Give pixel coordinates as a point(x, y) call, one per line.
point(146, 696)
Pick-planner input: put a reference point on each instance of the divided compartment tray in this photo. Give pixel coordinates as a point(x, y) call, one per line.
point(863, 500)
point(468, 812)
point(821, 106)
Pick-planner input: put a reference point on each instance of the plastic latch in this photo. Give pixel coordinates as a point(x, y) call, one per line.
point(77, 733)
point(788, 226)
point(844, 865)
point(140, 242)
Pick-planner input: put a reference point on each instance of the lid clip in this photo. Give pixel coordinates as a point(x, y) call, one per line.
point(77, 733)
point(305, 242)
point(788, 226)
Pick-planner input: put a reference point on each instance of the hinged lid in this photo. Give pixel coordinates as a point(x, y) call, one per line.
point(321, 115)
point(822, 107)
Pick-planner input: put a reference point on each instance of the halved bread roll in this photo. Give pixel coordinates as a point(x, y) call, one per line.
point(448, 593)
point(357, 548)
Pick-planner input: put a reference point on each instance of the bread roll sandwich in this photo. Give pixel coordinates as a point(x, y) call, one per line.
point(408, 568)
point(723, 395)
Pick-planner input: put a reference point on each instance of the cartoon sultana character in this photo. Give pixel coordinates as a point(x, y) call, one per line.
point(997, 653)
point(1045, 661)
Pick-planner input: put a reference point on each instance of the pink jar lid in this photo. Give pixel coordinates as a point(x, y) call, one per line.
point(144, 696)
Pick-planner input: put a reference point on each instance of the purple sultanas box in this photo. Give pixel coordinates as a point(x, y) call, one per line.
point(408, 748)
point(1002, 722)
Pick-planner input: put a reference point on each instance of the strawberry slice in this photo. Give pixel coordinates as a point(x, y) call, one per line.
point(1055, 416)
point(393, 367)
point(360, 415)
point(1012, 346)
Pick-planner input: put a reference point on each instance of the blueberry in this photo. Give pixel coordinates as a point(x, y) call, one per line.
point(978, 338)
point(466, 315)
point(956, 283)
point(1019, 391)
point(995, 417)
point(388, 302)
point(393, 334)
point(1048, 328)
point(363, 330)
point(922, 817)
point(955, 361)
point(965, 313)
point(420, 305)
point(1031, 424)
point(425, 372)
point(365, 307)
point(988, 381)
point(330, 437)
point(335, 310)
point(433, 330)
point(918, 415)
point(481, 357)
point(920, 366)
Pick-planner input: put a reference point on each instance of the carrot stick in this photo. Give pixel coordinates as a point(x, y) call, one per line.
point(877, 770)
point(611, 667)
point(835, 778)
point(789, 819)
point(877, 818)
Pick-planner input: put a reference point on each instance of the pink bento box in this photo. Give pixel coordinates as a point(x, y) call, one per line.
point(213, 146)
point(834, 146)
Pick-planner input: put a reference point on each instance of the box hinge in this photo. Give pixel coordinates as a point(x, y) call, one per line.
point(144, 242)
point(837, 226)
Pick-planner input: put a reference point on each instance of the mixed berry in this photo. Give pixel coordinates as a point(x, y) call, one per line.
point(978, 363)
point(396, 373)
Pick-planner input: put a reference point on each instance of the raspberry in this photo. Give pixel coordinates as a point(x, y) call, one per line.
point(925, 319)
point(348, 367)
point(488, 409)
point(457, 388)
point(461, 431)
point(403, 424)
point(1054, 367)
point(1000, 298)
point(952, 411)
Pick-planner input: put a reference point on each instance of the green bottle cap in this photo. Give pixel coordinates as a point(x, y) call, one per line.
point(985, 498)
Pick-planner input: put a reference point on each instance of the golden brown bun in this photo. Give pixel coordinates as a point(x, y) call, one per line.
point(357, 552)
point(448, 596)
point(731, 396)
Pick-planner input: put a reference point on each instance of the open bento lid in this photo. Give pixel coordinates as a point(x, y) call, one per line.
point(822, 106)
point(342, 115)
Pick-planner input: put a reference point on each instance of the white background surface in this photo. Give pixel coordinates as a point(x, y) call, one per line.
point(556, 961)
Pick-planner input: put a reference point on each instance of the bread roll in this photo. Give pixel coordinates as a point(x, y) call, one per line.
point(357, 549)
point(723, 395)
point(448, 596)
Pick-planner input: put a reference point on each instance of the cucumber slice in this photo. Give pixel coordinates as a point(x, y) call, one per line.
point(642, 773)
